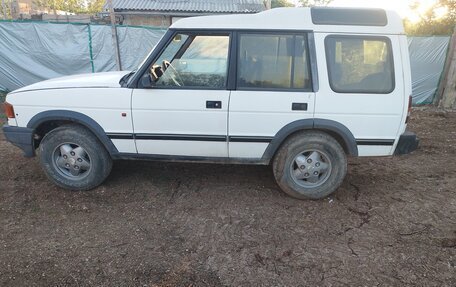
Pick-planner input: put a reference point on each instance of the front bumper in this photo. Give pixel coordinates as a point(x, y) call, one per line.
point(20, 137)
point(408, 142)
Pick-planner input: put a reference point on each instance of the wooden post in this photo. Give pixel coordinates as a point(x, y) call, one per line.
point(115, 42)
point(448, 92)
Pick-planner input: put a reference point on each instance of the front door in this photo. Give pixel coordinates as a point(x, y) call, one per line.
point(185, 112)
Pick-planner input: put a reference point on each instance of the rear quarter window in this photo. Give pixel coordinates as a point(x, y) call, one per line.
point(360, 64)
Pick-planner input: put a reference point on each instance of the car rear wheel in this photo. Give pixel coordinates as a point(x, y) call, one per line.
point(73, 158)
point(310, 165)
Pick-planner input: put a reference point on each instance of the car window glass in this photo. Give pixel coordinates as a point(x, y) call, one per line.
point(360, 64)
point(195, 61)
point(269, 61)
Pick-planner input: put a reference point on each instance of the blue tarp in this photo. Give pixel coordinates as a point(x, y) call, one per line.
point(427, 61)
point(36, 51)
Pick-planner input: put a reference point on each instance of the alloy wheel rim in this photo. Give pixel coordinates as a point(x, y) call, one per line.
point(310, 168)
point(71, 161)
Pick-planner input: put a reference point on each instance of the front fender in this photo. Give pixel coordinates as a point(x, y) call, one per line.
point(79, 118)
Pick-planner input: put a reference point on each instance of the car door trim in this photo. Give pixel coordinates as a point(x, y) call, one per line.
point(190, 137)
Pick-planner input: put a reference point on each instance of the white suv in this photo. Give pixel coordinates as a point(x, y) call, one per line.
point(296, 88)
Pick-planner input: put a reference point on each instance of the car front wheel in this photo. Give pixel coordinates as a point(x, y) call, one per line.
point(73, 158)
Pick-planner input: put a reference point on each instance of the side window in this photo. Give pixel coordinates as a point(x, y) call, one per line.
point(273, 62)
point(193, 61)
point(358, 64)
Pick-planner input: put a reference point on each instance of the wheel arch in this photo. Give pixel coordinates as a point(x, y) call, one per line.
point(335, 129)
point(48, 120)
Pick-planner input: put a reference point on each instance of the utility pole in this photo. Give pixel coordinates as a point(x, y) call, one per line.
point(115, 42)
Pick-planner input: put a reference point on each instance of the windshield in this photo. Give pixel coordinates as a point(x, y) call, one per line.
point(145, 58)
point(150, 52)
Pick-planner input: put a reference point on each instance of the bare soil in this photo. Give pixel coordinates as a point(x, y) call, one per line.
point(391, 223)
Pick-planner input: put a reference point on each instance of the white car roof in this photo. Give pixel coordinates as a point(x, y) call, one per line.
point(333, 20)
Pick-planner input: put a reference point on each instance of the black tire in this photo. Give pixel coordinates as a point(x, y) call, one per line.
point(100, 162)
point(285, 165)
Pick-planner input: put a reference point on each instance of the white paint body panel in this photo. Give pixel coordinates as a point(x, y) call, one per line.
point(103, 105)
point(286, 19)
point(95, 80)
point(367, 116)
point(182, 148)
point(263, 113)
point(180, 112)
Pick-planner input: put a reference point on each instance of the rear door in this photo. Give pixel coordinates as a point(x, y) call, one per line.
point(361, 86)
point(273, 89)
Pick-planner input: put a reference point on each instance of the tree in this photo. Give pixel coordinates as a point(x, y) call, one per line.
point(430, 23)
point(72, 6)
point(451, 8)
point(311, 3)
point(281, 3)
point(95, 6)
point(5, 9)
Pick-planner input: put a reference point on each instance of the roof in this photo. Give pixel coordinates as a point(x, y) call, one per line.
point(301, 19)
point(193, 6)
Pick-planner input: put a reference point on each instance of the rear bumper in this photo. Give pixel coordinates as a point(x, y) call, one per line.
point(408, 142)
point(20, 137)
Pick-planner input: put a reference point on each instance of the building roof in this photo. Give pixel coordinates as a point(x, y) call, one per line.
point(192, 6)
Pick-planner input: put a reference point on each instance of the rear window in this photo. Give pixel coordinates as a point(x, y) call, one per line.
point(360, 64)
point(273, 62)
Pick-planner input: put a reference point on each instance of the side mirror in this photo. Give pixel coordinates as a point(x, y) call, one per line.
point(149, 79)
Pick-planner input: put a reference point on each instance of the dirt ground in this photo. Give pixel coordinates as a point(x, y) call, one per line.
point(392, 223)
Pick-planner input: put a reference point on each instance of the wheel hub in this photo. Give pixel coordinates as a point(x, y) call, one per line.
point(310, 168)
point(72, 161)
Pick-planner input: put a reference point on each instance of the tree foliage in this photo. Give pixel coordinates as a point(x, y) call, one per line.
point(281, 3)
point(311, 3)
point(5, 9)
point(305, 3)
point(95, 6)
point(430, 23)
point(72, 6)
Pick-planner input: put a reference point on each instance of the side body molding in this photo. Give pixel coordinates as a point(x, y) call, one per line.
point(341, 132)
point(65, 115)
